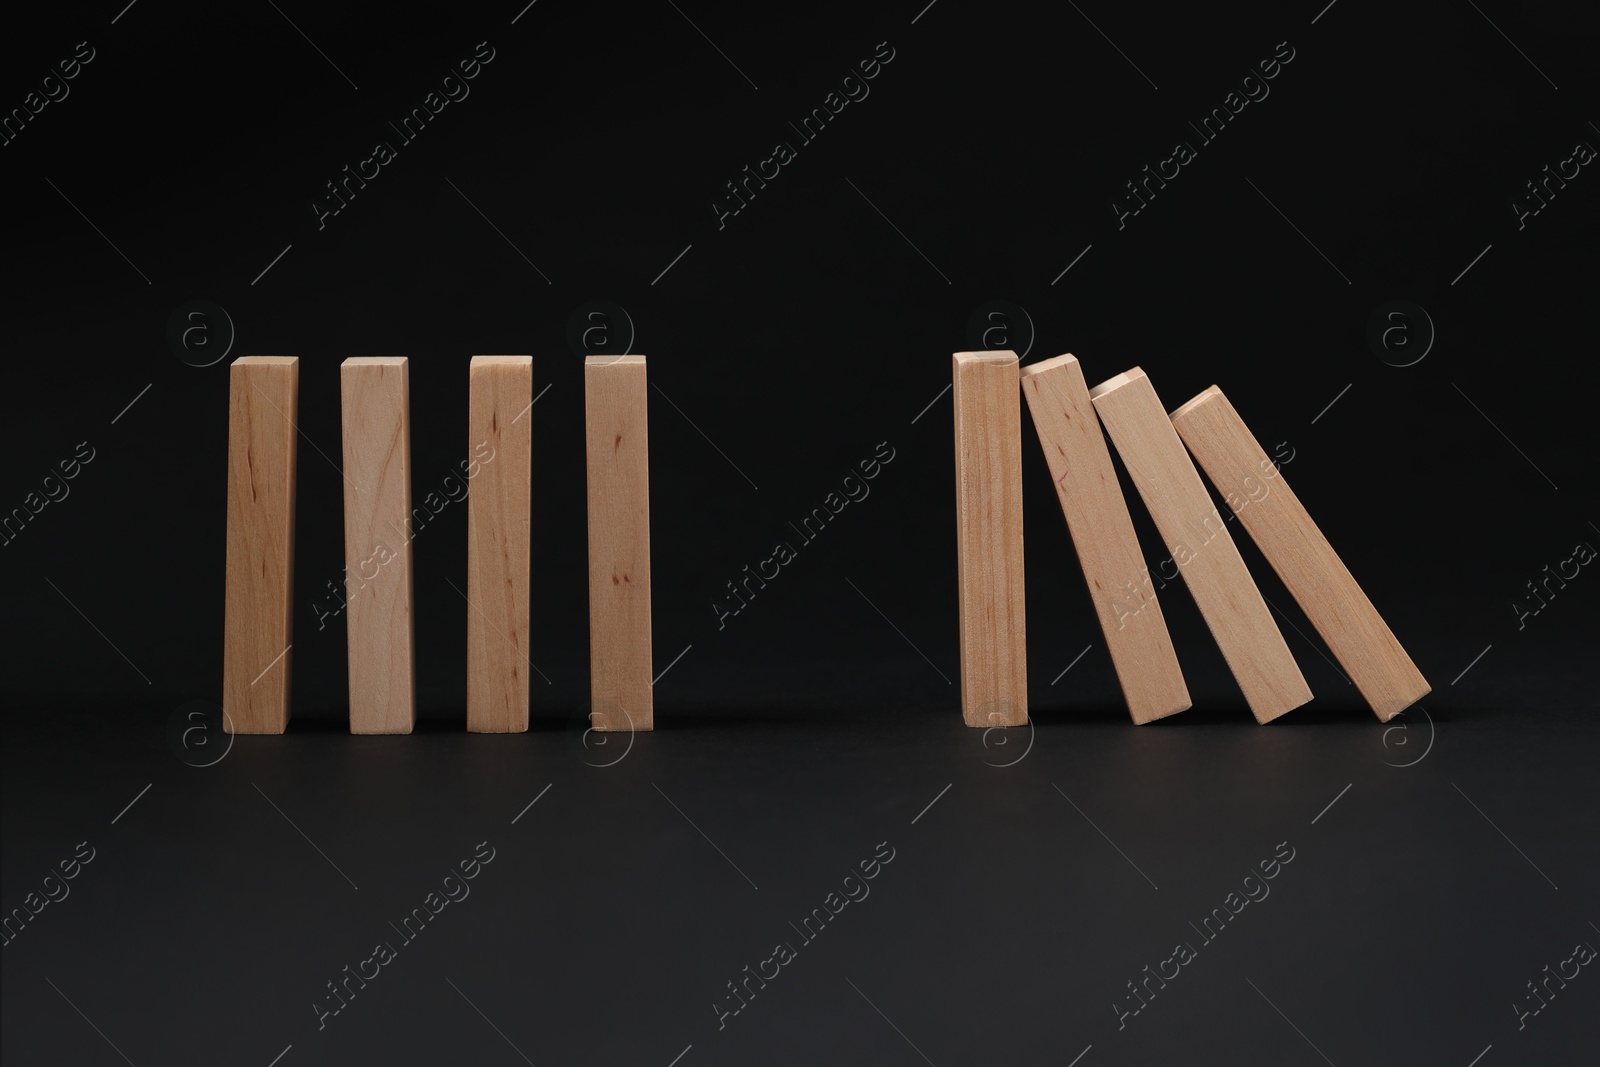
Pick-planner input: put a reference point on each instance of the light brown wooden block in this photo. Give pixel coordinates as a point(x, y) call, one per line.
point(993, 625)
point(615, 402)
point(1311, 570)
point(501, 442)
point(1108, 549)
point(1197, 536)
point(257, 628)
point(376, 404)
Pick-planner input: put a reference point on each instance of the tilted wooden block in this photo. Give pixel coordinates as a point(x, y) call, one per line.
point(257, 629)
point(498, 516)
point(376, 407)
point(992, 620)
point(1311, 570)
point(1102, 531)
point(1197, 536)
point(615, 409)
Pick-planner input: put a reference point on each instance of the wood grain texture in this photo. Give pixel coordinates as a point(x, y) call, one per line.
point(376, 409)
point(499, 470)
point(615, 410)
point(989, 575)
point(1102, 531)
point(257, 628)
point(1313, 573)
point(1197, 536)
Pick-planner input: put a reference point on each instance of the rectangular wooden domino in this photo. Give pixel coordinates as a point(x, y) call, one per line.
point(989, 576)
point(1282, 528)
point(499, 469)
point(375, 396)
point(616, 427)
point(1102, 532)
point(1197, 536)
point(258, 625)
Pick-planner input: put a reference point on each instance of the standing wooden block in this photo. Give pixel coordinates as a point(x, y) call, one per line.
point(988, 432)
point(1198, 539)
point(257, 628)
point(376, 400)
point(498, 543)
point(1102, 532)
point(1308, 565)
point(615, 402)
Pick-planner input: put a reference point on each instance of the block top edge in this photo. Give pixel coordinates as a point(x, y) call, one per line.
point(1048, 364)
point(1110, 384)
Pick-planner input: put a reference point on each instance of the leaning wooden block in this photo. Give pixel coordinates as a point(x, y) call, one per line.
point(376, 406)
point(1108, 549)
point(988, 437)
point(615, 403)
point(257, 629)
point(1198, 539)
point(499, 469)
point(1292, 543)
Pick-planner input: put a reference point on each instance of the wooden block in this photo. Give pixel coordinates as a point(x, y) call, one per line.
point(988, 436)
point(1102, 532)
point(376, 401)
point(615, 402)
point(1311, 570)
point(498, 543)
point(1197, 536)
point(257, 628)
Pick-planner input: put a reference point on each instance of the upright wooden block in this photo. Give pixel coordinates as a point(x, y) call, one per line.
point(500, 440)
point(1197, 536)
point(615, 402)
point(1292, 543)
point(993, 624)
point(376, 401)
point(257, 628)
point(1102, 531)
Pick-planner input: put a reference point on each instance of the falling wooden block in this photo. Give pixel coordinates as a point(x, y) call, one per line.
point(1198, 539)
point(1311, 570)
point(615, 402)
point(257, 629)
point(499, 469)
point(988, 434)
point(376, 403)
point(1102, 531)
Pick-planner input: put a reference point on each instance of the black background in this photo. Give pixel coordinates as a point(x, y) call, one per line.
point(813, 326)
